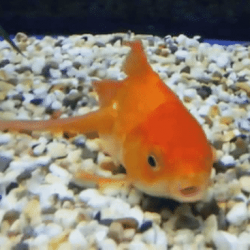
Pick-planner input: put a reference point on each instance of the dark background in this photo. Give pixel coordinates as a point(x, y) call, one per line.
point(227, 19)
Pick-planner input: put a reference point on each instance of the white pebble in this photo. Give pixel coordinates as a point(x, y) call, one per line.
point(74, 156)
point(66, 64)
point(181, 54)
point(227, 160)
point(86, 195)
point(238, 214)
point(77, 239)
point(244, 241)
point(190, 93)
point(184, 236)
point(181, 39)
point(203, 111)
point(56, 105)
point(223, 60)
point(37, 65)
point(57, 149)
point(55, 73)
point(225, 241)
point(39, 149)
point(40, 242)
point(59, 172)
point(136, 213)
point(66, 217)
point(161, 240)
point(149, 236)
point(5, 138)
point(137, 245)
point(108, 244)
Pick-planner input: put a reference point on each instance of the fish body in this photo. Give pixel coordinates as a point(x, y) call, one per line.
point(144, 126)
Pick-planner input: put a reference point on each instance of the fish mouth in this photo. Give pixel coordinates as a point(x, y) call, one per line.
point(189, 191)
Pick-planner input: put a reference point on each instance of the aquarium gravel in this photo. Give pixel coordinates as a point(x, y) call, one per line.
point(43, 206)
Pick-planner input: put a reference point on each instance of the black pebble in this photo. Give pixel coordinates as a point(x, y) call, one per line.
point(204, 92)
point(115, 39)
point(80, 141)
point(4, 62)
point(186, 222)
point(58, 43)
point(98, 216)
point(23, 69)
point(206, 209)
point(242, 79)
point(36, 101)
point(28, 232)
point(21, 246)
point(173, 48)
point(18, 97)
point(24, 176)
point(85, 38)
point(4, 163)
point(145, 226)
point(46, 72)
point(186, 69)
point(75, 186)
point(11, 186)
point(106, 222)
point(220, 167)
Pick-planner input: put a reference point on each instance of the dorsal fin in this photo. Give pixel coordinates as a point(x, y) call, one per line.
point(136, 62)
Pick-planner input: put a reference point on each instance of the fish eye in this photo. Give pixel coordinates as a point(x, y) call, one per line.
point(151, 161)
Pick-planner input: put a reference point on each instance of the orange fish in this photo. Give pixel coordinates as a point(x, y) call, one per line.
point(144, 126)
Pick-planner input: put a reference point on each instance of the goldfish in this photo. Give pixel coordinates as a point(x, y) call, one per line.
point(144, 126)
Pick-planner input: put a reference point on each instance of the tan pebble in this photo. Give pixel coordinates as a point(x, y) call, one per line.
point(56, 242)
point(4, 86)
point(236, 230)
point(222, 205)
point(245, 183)
point(4, 227)
point(27, 82)
point(129, 234)
point(108, 165)
point(116, 231)
point(214, 111)
point(80, 43)
point(240, 143)
point(11, 216)
point(226, 120)
point(3, 75)
point(155, 217)
point(187, 99)
point(244, 86)
point(16, 227)
point(229, 135)
point(128, 222)
point(21, 37)
point(2, 95)
point(210, 227)
point(208, 121)
point(32, 211)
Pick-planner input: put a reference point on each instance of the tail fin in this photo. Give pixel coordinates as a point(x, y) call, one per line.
point(90, 122)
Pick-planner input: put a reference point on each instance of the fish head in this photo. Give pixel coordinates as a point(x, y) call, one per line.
point(167, 159)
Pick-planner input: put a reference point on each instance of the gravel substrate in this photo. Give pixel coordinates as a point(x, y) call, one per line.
point(43, 207)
